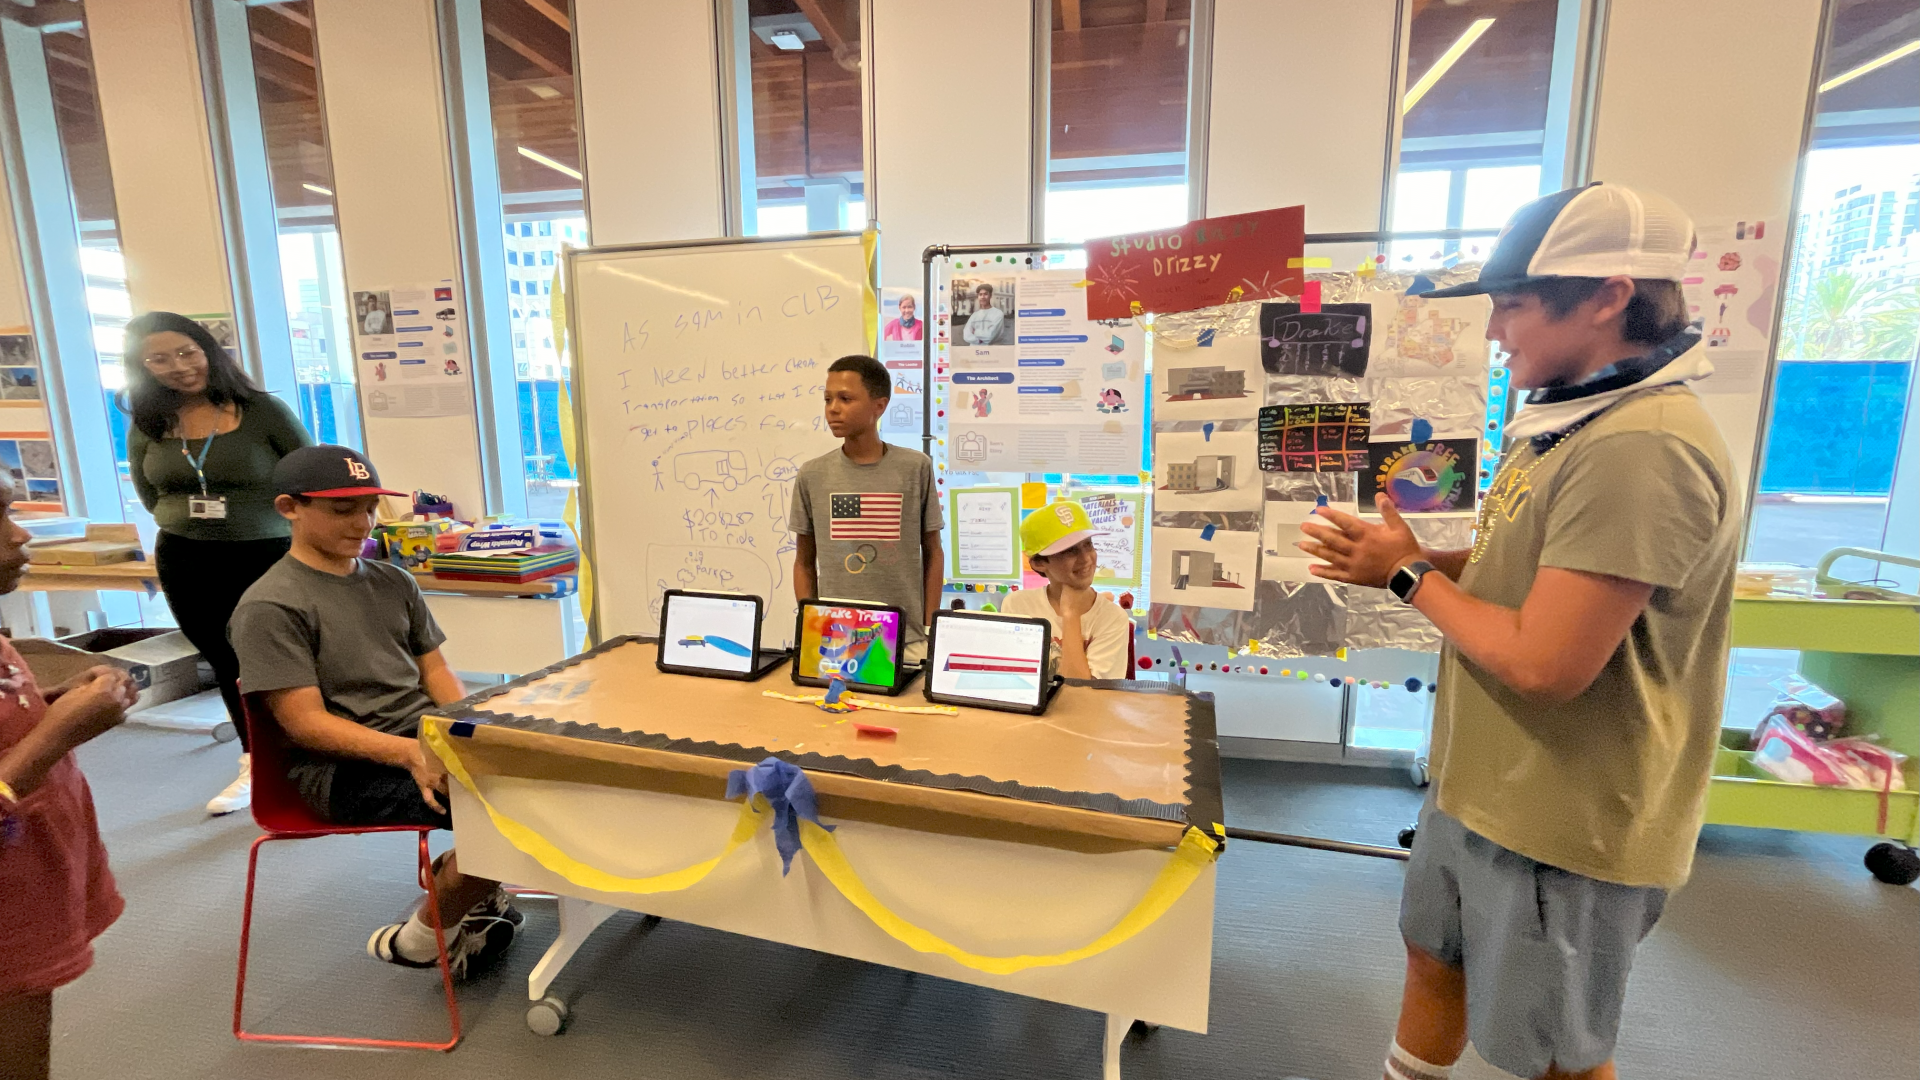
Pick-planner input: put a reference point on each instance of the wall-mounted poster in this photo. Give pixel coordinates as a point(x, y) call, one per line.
point(1201, 470)
point(1035, 385)
point(1434, 477)
point(1199, 264)
point(986, 534)
point(1279, 531)
point(903, 331)
point(1205, 568)
point(26, 434)
point(1414, 337)
point(411, 345)
point(1117, 523)
point(1220, 378)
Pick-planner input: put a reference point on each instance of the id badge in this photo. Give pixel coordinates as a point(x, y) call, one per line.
point(207, 507)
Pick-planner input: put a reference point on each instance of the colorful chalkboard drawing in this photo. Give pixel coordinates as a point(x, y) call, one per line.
point(1210, 383)
point(724, 468)
point(1200, 570)
point(725, 645)
point(1208, 472)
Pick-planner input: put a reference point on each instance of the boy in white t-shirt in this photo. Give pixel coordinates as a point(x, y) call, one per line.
point(1090, 632)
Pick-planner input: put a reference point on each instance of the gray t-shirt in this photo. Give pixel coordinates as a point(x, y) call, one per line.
point(355, 636)
point(866, 522)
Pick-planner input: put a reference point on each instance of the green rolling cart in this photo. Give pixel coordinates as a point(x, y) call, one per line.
point(1867, 653)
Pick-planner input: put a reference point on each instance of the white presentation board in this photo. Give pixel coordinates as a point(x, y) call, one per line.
point(698, 371)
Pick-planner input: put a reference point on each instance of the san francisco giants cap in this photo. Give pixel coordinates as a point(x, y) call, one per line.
point(327, 472)
point(1597, 231)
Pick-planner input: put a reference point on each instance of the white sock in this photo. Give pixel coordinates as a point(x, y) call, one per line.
point(415, 940)
point(1404, 1066)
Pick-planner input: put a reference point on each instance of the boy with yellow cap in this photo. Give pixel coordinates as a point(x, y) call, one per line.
point(1090, 632)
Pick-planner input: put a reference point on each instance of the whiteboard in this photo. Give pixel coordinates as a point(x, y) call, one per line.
point(697, 378)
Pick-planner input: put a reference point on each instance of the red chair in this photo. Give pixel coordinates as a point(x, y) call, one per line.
point(282, 815)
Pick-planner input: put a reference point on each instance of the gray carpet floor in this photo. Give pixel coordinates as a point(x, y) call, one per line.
point(1783, 958)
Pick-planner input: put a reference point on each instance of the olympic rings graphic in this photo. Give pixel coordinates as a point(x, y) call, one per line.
point(865, 554)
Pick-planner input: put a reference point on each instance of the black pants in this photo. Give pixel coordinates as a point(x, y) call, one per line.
point(203, 580)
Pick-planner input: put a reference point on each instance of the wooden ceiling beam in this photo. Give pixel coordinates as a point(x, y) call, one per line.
point(1156, 11)
point(555, 15)
point(529, 53)
point(830, 31)
point(289, 14)
point(278, 49)
point(1070, 15)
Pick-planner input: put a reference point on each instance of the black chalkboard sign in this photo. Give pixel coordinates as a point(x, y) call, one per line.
point(1333, 342)
point(1319, 437)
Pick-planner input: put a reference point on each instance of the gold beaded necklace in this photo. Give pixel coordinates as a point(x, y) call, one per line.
point(1511, 491)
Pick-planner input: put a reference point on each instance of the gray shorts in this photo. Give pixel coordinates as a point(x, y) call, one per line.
point(1546, 951)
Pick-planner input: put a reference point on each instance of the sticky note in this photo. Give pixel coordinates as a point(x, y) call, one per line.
point(1206, 533)
point(1033, 495)
point(1310, 262)
point(1310, 297)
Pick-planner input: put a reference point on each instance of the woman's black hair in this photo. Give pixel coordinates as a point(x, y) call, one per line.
point(153, 406)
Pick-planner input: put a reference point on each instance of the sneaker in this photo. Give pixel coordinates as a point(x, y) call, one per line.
point(476, 943)
point(239, 794)
point(497, 905)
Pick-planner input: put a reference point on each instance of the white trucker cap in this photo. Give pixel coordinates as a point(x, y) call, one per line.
point(1601, 230)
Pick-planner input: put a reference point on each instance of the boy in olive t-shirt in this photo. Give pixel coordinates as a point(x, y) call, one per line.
point(865, 517)
point(1586, 647)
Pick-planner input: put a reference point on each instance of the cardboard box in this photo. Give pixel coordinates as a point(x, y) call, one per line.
point(163, 663)
point(109, 543)
point(409, 544)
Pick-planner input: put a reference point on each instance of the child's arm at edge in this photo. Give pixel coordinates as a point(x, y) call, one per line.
point(806, 582)
point(79, 714)
point(438, 680)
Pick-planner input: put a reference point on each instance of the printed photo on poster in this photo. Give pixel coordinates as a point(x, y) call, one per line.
point(20, 383)
point(1205, 568)
point(1195, 470)
point(1321, 437)
point(1332, 342)
point(10, 460)
point(1280, 530)
point(373, 312)
point(1117, 523)
point(901, 317)
point(1435, 477)
point(16, 350)
point(1219, 379)
point(982, 313)
point(1414, 337)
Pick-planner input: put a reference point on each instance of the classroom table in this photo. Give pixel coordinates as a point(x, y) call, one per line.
point(975, 837)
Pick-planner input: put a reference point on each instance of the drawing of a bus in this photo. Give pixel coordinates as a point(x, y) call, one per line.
point(727, 468)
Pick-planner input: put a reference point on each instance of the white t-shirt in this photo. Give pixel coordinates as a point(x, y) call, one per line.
point(984, 326)
point(1107, 629)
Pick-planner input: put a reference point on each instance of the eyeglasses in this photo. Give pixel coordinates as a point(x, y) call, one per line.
point(179, 357)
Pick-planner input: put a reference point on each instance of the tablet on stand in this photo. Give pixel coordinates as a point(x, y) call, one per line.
point(714, 634)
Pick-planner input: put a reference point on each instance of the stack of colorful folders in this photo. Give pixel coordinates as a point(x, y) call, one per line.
point(512, 567)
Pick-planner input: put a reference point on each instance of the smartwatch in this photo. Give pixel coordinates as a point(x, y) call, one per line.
point(1406, 580)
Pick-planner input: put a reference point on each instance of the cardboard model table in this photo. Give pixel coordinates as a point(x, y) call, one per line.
point(1067, 856)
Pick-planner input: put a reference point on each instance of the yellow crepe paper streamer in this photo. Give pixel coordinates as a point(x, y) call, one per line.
point(546, 854)
point(869, 296)
point(1196, 850)
point(570, 445)
point(1182, 869)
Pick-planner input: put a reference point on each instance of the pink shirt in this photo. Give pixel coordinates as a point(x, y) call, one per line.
point(894, 331)
point(55, 889)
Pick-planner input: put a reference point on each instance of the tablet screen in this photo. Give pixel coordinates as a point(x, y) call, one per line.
point(989, 659)
point(709, 632)
point(858, 645)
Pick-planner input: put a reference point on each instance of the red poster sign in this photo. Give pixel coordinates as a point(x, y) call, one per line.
point(1198, 264)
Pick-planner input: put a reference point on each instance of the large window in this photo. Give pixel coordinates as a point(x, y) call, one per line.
point(809, 174)
point(1474, 121)
point(1850, 322)
point(537, 144)
point(287, 78)
point(1117, 128)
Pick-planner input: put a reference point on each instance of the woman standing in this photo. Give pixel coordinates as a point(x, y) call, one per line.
point(201, 452)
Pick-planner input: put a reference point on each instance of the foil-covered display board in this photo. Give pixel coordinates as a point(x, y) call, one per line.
point(1428, 362)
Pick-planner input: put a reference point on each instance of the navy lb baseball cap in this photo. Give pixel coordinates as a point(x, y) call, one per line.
point(1597, 231)
point(328, 472)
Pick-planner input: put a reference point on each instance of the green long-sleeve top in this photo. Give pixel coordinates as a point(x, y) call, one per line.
point(239, 465)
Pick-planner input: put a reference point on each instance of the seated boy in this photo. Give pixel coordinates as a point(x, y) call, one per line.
point(1090, 632)
point(347, 657)
point(865, 516)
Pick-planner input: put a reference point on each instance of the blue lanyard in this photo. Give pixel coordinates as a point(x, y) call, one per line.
point(199, 463)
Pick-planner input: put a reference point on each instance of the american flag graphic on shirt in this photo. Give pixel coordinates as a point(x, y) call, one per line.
point(867, 516)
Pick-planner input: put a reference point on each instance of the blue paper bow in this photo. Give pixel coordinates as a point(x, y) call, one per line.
point(790, 795)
